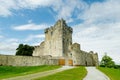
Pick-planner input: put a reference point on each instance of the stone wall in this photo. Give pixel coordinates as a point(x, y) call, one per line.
point(95, 59)
point(27, 60)
point(83, 58)
point(53, 41)
point(39, 50)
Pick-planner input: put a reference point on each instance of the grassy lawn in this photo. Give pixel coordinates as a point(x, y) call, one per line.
point(113, 74)
point(10, 71)
point(73, 74)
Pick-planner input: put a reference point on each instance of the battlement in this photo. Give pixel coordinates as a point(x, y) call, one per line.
point(60, 24)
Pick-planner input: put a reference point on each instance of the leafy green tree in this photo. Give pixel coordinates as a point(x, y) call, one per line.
point(24, 50)
point(107, 61)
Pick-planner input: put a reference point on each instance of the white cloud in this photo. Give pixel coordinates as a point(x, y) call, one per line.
point(33, 37)
point(102, 38)
point(107, 11)
point(67, 8)
point(32, 4)
point(6, 6)
point(1, 36)
point(30, 26)
point(101, 29)
point(63, 8)
point(8, 46)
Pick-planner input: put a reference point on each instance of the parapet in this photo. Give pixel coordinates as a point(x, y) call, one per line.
point(59, 24)
point(91, 52)
point(46, 30)
point(70, 29)
point(75, 46)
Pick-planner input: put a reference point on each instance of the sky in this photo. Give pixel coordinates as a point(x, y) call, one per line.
point(95, 23)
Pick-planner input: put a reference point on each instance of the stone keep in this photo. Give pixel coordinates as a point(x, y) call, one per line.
point(58, 43)
point(58, 39)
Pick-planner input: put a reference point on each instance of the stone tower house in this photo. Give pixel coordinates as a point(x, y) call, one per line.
point(58, 43)
point(57, 39)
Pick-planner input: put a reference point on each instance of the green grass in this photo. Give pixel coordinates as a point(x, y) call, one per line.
point(113, 74)
point(10, 71)
point(73, 74)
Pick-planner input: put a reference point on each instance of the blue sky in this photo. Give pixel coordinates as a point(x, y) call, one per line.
point(96, 23)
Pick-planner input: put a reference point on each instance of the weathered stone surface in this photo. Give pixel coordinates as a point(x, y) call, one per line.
point(39, 50)
point(58, 43)
point(27, 60)
point(57, 40)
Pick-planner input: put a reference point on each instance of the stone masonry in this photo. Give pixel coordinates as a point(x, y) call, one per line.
point(58, 43)
point(10, 60)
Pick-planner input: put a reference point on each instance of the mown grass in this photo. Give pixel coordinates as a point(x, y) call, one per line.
point(113, 74)
point(11, 71)
point(73, 74)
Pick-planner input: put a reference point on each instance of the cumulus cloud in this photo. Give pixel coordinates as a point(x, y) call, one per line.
point(8, 46)
point(31, 37)
point(30, 26)
point(107, 11)
point(62, 8)
point(99, 38)
point(101, 29)
point(7, 6)
point(67, 8)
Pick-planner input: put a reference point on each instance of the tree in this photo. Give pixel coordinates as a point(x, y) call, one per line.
point(107, 61)
point(24, 50)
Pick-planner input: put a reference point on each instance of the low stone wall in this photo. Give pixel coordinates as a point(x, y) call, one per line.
point(27, 60)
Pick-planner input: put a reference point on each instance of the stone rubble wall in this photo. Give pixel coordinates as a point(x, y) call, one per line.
point(39, 50)
point(9, 60)
point(83, 58)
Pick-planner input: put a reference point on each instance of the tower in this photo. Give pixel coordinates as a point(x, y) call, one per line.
point(58, 38)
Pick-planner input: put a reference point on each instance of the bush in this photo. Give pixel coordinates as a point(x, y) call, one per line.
point(117, 66)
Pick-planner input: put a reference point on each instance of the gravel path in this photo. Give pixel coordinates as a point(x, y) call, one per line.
point(95, 74)
point(40, 74)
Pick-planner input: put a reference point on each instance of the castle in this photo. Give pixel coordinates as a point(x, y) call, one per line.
point(58, 44)
point(57, 49)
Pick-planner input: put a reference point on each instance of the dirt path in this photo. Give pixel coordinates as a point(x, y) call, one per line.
point(94, 74)
point(38, 75)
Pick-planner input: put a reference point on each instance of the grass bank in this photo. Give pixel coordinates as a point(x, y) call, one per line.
point(73, 74)
point(11, 71)
point(113, 74)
